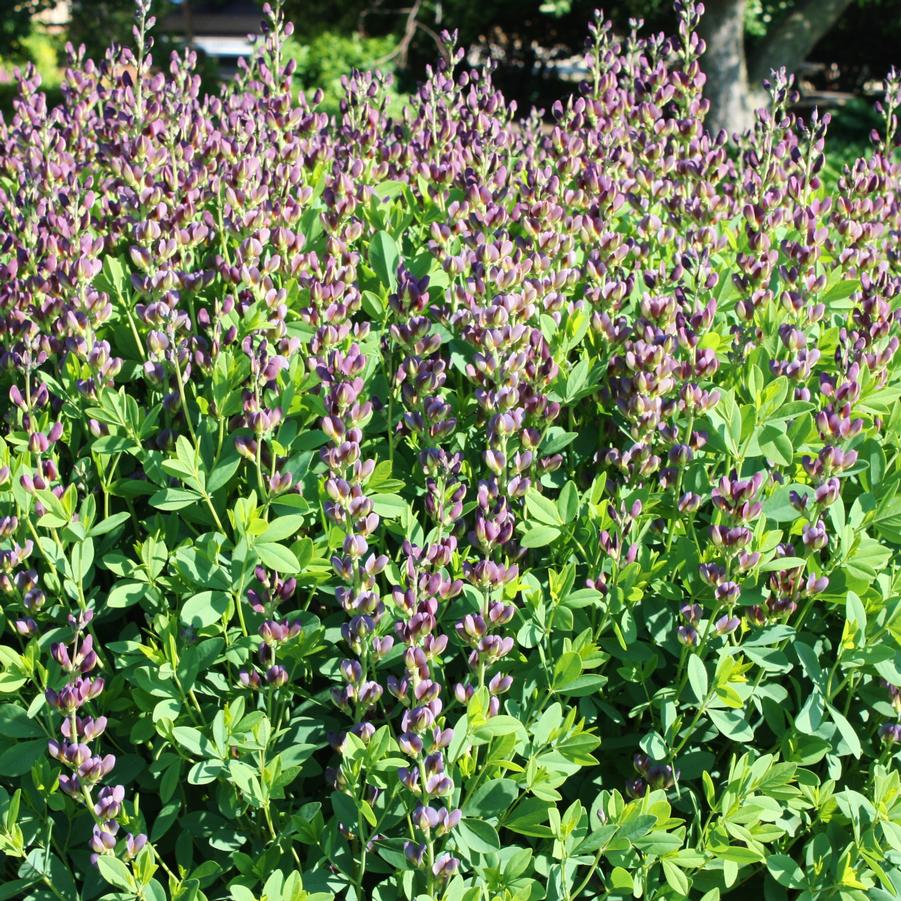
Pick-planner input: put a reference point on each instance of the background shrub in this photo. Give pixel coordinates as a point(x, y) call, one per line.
point(445, 506)
point(328, 57)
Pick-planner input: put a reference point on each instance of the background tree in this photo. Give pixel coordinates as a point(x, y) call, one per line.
point(15, 24)
point(745, 38)
point(734, 76)
point(98, 23)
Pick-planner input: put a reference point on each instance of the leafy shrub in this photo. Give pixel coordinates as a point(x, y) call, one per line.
point(40, 49)
point(326, 58)
point(445, 507)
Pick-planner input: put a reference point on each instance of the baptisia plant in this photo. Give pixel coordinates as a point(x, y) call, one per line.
point(461, 504)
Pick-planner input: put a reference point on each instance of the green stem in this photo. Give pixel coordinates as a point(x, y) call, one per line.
point(361, 865)
point(259, 465)
point(183, 399)
point(240, 608)
point(134, 331)
point(591, 870)
point(209, 502)
point(164, 865)
point(670, 535)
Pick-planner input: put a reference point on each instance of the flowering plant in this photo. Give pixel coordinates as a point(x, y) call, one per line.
point(445, 506)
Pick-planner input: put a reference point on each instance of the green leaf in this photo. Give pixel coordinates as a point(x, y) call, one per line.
point(740, 855)
point(729, 415)
point(530, 818)
point(555, 439)
point(846, 730)
point(277, 557)
point(19, 759)
point(709, 790)
point(384, 257)
point(109, 445)
point(124, 594)
point(568, 502)
point(539, 536)
point(181, 471)
point(621, 879)
point(567, 668)
point(206, 771)
point(866, 562)
point(52, 521)
point(785, 871)
point(15, 722)
point(205, 608)
point(582, 686)
point(82, 559)
point(388, 506)
point(810, 716)
point(174, 499)
point(542, 509)
point(222, 474)
point(778, 507)
point(576, 379)
point(154, 891)
point(10, 682)
point(345, 807)
point(114, 273)
point(776, 445)
point(809, 661)
point(732, 724)
point(108, 524)
point(461, 734)
point(840, 291)
point(165, 820)
point(16, 888)
point(600, 838)
point(676, 878)
point(478, 835)
point(887, 519)
point(194, 741)
point(281, 528)
point(791, 410)
point(115, 872)
point(500, 725)
point(697, 677)
point(39, 863)
point(582, 597)
point(654, 746)
point(855, 612)
point(492, 798)
point(773, 395)
point(780, 563)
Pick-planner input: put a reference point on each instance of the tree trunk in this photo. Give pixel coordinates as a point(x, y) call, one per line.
point(727, 88)
point(795, 36)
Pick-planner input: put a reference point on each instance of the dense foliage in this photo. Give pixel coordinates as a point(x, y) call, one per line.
point(445, 506)
point(323, 60)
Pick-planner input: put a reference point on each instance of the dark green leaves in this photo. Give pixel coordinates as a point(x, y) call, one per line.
point(384, 256)
point(697, 678)
point(277, 557)
point(205, 608)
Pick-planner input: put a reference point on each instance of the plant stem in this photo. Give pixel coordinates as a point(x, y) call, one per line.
point(183, 399)
point(591, 870)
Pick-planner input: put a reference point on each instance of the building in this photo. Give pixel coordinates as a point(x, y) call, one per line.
point(218, 29)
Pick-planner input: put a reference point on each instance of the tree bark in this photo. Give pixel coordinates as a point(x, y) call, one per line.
point(723, 29)
point(795, 36)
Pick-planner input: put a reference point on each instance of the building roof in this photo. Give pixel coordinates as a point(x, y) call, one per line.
point(231, 19)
